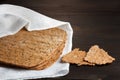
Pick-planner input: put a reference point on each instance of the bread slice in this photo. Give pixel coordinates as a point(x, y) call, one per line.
point(30, 49)
point(98, 56)
point(76, 57)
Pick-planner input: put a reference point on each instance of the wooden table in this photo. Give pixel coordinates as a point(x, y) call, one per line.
point(93, 22)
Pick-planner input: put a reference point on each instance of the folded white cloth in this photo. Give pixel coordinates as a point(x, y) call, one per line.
point(12, 19)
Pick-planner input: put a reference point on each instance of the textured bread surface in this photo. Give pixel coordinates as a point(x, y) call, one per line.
point(95, 56)
point(98, 56)
point(76, 56)
point(30, 49)
point(55, 55)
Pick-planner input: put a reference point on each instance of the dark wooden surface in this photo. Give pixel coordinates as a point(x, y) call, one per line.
point(93, 22)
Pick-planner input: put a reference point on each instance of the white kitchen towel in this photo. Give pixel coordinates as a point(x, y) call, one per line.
point(12, 19)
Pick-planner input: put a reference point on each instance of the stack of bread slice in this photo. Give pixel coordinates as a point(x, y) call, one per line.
point(33, 50)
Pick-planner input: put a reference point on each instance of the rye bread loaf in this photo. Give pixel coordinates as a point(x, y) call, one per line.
point(32, 50)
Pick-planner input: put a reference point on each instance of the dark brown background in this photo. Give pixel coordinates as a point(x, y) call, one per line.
point(93, 22)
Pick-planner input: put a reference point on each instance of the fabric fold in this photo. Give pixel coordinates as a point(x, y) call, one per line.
point(12, 19)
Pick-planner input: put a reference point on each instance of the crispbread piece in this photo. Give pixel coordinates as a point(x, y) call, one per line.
point(98, 56)
point(28, 49)
point(76, 57)
point(53, 58)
